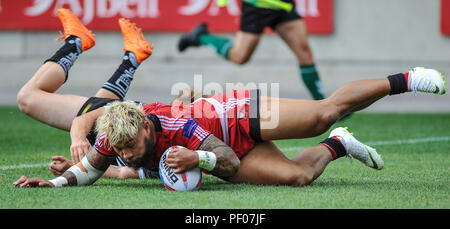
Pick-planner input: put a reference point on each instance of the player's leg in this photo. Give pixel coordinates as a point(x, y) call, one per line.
point(295, 35)
point(238, 52)
point(199, 36)
point(244, 45)
point(266, 164)
point(37, 98)
point(291, 118)
point(252, 24)
point(137, 49)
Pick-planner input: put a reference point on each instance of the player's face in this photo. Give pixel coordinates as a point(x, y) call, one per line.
point(138, 152)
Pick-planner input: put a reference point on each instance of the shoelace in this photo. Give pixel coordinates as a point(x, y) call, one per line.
point(421, 82)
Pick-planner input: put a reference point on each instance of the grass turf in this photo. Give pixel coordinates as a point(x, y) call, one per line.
point(416, 174)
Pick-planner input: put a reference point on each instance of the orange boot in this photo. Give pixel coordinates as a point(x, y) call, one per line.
point(73, 26)
point(134, 40)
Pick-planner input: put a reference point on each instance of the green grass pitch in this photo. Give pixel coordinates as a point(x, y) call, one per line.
point(415, 149)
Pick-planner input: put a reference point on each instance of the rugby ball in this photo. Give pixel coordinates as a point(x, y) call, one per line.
point(186, 181)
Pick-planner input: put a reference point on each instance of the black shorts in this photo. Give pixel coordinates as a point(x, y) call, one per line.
point(254, 19)
point(91, 104)
point(254, 120)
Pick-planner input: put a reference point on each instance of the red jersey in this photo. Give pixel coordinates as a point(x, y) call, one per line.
point(226, 116)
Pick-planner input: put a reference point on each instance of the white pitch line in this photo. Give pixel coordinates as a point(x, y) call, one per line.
point(7, 167)
point(294, 148)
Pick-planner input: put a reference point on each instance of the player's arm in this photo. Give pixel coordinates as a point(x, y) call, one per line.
point(125, 172)
point(121, 172)
point(226, 161)
point(85, 172)
point(81, 126)
point(212, 155)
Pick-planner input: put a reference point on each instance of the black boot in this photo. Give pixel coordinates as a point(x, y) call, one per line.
point(191, 38)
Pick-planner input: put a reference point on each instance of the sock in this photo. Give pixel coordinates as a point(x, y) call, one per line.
point(408, 84)
point(220, 45)
point(399, 83)
point(122, 77)
point(311, 79)
point(67, 54)
point(335, 146)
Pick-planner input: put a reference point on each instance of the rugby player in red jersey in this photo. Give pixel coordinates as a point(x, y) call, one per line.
point(228, 135)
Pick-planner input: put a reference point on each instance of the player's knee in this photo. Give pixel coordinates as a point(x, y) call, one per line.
point(301, 178)
point(326, 118)
point(304, 55)
point(322, 123)
point(240, 59)
point(23, 98)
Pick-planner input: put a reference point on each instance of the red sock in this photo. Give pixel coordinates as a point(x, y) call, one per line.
point(407, 79)
point(335, 147)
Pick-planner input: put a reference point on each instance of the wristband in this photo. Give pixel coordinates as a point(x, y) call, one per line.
point(206, 160)
point(59, 182)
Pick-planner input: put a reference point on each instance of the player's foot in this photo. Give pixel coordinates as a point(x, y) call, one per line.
point(134, 40)
point(192, 38)
point(358, 150)
point(73, 27)
point(426, 80)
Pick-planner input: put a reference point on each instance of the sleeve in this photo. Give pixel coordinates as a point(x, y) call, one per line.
point(193, 134)
point(145, 173)
point(102, 146)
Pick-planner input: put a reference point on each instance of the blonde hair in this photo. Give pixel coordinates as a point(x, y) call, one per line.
point(120, 122)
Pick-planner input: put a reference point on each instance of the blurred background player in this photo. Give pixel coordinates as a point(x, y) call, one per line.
point(37, 98)
point(256, 15)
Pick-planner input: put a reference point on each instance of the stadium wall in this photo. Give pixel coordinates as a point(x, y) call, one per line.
point(370, 39)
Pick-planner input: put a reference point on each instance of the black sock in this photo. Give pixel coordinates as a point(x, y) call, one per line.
point(121, 79)
point(67, 54)
point(398, 84)
point(335, 146)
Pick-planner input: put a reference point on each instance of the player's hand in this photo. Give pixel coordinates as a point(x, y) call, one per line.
point(59, 165)
point(79, 148)
point(24, 182)
point(127, 173)
point(182, 159)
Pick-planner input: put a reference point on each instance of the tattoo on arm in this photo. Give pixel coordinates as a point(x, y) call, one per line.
point(71, 178)
point(97, 161)
point(227, 163)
